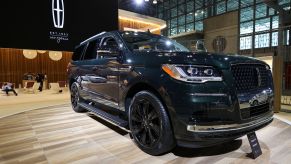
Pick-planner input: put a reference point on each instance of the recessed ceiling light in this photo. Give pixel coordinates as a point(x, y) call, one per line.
point(138, 2)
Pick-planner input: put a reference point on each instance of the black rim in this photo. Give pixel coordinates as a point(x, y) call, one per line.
point(145, 123)
point(74, 96)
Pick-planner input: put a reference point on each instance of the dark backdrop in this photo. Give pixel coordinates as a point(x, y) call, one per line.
point(28, 24)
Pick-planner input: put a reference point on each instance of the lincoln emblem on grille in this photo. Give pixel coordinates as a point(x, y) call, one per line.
point(259, 77)
point(58, 13)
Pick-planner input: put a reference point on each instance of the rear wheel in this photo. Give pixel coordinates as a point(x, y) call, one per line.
point(150, 125)
point(75, 99)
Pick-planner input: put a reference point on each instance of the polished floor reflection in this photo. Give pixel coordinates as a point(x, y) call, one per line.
point(58, 135)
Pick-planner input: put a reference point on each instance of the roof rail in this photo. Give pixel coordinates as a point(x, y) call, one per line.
point(92, 37)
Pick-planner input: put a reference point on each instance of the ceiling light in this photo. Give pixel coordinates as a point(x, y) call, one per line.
point(146, 0)
point(30, 54)
point(138, 2)
point(55, 55)
point(155, 2)
point(41, 51)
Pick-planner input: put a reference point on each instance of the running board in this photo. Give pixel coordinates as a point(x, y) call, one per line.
point(115, 120)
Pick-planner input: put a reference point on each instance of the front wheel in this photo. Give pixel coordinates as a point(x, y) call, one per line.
point(150, 125)
point(75, 99)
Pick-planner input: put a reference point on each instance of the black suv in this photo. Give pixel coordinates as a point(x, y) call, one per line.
point(165, 95)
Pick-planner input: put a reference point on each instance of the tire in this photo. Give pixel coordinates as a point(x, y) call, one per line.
point(75, 99)
point(150, 125)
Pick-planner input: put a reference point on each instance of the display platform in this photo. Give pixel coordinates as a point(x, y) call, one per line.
point(59, 135)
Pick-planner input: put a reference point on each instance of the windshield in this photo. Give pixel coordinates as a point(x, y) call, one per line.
point(139, 41)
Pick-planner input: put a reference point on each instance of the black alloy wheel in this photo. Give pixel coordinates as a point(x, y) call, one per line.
point(75, 99)
point(149, 124)
point(146, 123)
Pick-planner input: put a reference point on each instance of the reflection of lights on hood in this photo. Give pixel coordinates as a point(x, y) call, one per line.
point(168, 43)
point(129, 60)
point(225, 58)
point(135, 33)
point(120, 45)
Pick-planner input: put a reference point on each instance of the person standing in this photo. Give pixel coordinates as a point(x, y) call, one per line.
point(8, 87)
point(40, 79)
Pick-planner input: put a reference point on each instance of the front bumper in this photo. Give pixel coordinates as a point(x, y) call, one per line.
point(205, 137)
point(213, 112)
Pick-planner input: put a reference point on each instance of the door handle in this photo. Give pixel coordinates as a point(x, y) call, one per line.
point(97, 79)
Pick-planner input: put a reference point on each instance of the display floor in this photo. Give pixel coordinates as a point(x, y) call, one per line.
point(59, 135)
point(11, 104)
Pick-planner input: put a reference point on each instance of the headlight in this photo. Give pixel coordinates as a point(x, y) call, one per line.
point(192, 73)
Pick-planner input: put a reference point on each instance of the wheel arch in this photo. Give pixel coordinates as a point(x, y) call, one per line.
point(141, 86)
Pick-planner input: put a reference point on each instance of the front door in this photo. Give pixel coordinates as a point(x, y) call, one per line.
point(106, 73)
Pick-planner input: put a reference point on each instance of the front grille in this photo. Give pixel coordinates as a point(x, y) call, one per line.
point(254, 111)
point(249, 77)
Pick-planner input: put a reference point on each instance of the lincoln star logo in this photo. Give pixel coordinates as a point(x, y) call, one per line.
point(58, 12)
point(259, 77)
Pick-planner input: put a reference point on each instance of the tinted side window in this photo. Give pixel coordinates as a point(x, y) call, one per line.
point(91, 51)
point(78, 53)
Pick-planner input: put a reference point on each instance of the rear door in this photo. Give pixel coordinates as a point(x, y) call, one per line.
point(89, 60)
point(73, 68)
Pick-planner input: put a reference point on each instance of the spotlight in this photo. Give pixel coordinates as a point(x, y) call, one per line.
point(138, 2)
point(155, 2)
point(147, 0)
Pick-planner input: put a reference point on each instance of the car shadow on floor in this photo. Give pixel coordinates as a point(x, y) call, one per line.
point(109, 125)
point(208, 151)
point(183, 151)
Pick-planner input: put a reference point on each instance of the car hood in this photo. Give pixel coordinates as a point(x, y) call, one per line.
point(221, 61)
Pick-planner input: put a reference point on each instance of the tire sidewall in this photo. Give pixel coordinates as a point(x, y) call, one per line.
point(77, 108)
